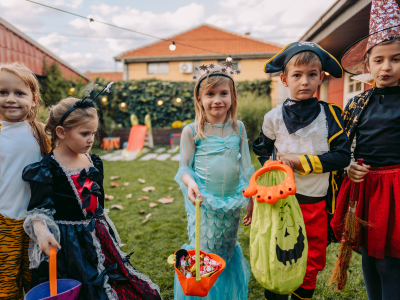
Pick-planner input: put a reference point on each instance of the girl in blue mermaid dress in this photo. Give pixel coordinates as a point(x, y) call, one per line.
point(215, 166)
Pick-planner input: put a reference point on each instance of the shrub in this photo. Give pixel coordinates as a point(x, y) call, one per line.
point(141, 97)
point(251, 110)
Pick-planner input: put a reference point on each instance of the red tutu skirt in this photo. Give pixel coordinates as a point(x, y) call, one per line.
point(379, 204)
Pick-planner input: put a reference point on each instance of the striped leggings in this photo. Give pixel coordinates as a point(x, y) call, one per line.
point(15, 275)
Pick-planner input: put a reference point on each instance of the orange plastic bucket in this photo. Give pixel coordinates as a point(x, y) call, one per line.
point(199, 286)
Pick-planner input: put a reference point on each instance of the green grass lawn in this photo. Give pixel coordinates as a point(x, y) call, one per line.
point(152, 242)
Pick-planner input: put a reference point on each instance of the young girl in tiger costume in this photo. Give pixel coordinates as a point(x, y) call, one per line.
point(22, 142)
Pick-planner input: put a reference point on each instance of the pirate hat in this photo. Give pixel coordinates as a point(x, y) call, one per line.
point(279, 61)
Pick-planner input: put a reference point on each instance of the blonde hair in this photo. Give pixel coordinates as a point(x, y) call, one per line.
point(76, 118)
point(205, 85)
point(30, 80)
point(304, 58)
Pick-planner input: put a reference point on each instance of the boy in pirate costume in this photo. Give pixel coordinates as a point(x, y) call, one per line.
point(372, 122)
point(309, 137)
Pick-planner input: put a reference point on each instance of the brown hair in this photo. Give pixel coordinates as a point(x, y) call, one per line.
point(387, 42)
point(304, 58)
point(30, 80)
point(76, 118)
point(205, 85)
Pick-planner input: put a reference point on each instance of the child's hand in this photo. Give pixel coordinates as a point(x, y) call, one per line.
point(47, 243)
point(249, 208)
point(356, 172)
point(290, 160)
point(193, 192)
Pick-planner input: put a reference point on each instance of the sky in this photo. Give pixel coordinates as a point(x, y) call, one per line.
point(92, 46)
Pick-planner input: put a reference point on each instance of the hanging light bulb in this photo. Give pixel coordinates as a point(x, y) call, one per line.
point(160, 102)
point(104, 99)
point(179, 100)
point(123, 104)
point(229, 58)
point(172, 47)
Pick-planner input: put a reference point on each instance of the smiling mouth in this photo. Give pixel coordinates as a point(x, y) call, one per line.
point(12, 108)
point(218, 107)
point(304, 90)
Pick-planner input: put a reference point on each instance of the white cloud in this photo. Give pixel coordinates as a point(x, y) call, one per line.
point(53, 41)
point(281, 21)
point(105, 9)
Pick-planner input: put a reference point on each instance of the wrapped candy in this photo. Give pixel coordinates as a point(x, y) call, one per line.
point(208, 266)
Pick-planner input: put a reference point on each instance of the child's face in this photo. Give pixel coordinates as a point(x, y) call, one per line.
point(16, 99)
point(79, 139)
point(384, 61)
point(216, 102)
point(302, 80)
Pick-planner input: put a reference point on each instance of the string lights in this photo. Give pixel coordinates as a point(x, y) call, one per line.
point(104, 99)
point(160, 102)
point(179, 100)
point(172, 47)
point(229, 58)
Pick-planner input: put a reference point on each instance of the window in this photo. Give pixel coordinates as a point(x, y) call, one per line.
point(157, 68)
point(351, 88)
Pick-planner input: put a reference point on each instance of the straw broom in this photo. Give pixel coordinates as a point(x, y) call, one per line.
point(349, 240)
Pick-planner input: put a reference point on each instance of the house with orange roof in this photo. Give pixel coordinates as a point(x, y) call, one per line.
point(204, 44)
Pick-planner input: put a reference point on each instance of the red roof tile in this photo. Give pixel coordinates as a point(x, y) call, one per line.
point(16, 46)
point(205, 39)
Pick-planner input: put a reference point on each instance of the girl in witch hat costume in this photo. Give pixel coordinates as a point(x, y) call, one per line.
point(372, 122)
point(309, 137)
point(66, 211)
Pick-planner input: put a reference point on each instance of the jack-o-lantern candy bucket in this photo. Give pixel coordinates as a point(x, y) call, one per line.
point(61, 289)
point(278, 239)
point(209, 264)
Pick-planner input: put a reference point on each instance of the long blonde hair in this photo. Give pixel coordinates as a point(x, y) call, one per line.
point(76, 118)
point(205, 85)
point(30, 80)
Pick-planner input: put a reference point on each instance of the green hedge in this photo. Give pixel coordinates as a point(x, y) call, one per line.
point(141, 97)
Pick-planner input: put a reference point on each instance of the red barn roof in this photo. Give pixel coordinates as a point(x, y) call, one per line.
point(16, 46)
point(206, 41)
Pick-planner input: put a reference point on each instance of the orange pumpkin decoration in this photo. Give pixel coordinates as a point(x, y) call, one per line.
point(273, 193)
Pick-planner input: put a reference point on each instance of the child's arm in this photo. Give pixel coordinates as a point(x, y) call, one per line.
point(246, 170)
point(187, 150)
point(39, 224)
point(263, 146)
point(337, 158)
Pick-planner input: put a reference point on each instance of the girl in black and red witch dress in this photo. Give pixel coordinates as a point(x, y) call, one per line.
point(372, 122)
point(66, 212)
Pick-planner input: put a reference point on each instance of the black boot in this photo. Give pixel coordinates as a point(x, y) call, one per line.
point(272, 296)
point(302, 294)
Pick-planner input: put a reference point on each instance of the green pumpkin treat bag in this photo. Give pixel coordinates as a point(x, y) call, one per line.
point(278, 241)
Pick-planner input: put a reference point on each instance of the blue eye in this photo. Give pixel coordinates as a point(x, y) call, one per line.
point(3, 93)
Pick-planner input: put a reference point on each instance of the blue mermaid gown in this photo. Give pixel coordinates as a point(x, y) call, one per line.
point(221, 166)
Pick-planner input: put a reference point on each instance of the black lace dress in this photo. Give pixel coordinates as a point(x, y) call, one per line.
point(71, 204)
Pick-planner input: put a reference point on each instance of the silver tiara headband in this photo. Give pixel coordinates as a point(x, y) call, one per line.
point(206, 71)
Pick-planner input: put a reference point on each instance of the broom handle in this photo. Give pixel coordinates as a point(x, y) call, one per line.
point(273, 156)
point(53, 271)
point(356, 188)
point(197, 249)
